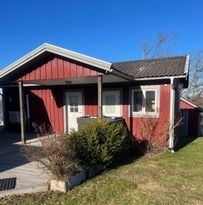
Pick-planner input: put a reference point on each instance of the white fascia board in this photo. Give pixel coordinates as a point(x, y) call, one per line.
point(160, 78)
point(79, 57)
point(22, 61)
point(106, 66)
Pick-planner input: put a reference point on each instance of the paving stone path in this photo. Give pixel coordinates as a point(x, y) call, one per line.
point(29, 176)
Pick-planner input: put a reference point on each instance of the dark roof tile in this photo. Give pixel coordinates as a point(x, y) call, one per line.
point(157, 67)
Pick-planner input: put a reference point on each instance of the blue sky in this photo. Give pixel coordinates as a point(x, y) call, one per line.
point(108, 30)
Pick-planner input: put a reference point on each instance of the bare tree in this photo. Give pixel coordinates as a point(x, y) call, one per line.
point(160, 47)
point(195, 88)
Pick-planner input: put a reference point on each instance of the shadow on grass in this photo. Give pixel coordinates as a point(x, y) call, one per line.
point(184, 141)
point(126, 160)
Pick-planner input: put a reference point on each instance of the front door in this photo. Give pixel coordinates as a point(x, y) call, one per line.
point(74, 109)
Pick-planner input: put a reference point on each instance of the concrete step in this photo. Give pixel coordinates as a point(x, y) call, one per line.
point(28, 190)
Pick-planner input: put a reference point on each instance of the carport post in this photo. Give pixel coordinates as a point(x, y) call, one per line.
point(99, 84)
point(22, 115)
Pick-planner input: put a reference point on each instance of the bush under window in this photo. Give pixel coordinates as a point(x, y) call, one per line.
point(99, 142)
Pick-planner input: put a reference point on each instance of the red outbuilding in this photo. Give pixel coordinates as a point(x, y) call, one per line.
point(192, 119)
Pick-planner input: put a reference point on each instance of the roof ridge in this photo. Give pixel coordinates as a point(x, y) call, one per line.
point(151, 59)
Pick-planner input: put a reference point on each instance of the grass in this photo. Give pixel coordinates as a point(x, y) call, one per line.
point(162, 179)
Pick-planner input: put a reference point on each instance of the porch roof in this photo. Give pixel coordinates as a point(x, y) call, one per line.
point(8, 83)
point(75, 81)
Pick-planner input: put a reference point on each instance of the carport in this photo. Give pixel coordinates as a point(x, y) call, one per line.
point(19, 134)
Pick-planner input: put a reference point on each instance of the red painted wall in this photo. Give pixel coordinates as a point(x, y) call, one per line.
point(57, 68)
point(51, 102)
point(90, 100)
point(134, 123)
point(184, 105)
point(46, 106)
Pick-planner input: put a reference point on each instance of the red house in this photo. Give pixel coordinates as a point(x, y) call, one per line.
point(56, 86)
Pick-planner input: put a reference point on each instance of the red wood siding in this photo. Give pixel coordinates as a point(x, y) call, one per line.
point(91, 105)
point(46, 106)
point(90, 100)
point(57, 68)
point(184, 105)
point(134, 122)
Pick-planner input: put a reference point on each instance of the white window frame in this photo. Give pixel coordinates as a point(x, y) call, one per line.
point(112, 92)
point(143, 113)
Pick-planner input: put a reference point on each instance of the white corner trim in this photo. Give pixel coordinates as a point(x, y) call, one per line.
point(106, 66)
point(172, 115)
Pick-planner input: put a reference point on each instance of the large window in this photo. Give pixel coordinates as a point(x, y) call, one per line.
point(145, 101)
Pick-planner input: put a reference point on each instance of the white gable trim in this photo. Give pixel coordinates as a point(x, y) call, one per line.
point(106, 66)
point(189, 103)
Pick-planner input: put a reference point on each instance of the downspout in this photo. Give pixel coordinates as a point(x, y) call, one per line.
point(172, 117)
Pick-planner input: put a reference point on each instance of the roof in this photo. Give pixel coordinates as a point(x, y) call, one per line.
point(152, 68)
point(131, 70)
point(196, 105)
point(58, 51)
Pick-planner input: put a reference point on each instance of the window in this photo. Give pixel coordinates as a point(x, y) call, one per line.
point(137, 97)
point(73, 104)
point(110, 103)
point(150, 101)
point(145, 101)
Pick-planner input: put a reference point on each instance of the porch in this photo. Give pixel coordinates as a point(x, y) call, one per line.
point(63, 103)
point(18, 174)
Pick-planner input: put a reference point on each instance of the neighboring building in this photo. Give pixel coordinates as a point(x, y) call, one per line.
point(60, 86)
point(1, 111)
point(192, 119)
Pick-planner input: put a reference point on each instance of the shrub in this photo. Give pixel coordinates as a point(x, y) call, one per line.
point(155, 132)
point(99, 141)
point(55, 154)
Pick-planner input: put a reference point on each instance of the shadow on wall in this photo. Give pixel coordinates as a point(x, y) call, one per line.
point(38, 111)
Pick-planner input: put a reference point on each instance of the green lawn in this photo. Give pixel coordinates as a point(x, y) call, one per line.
point(162, 179)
